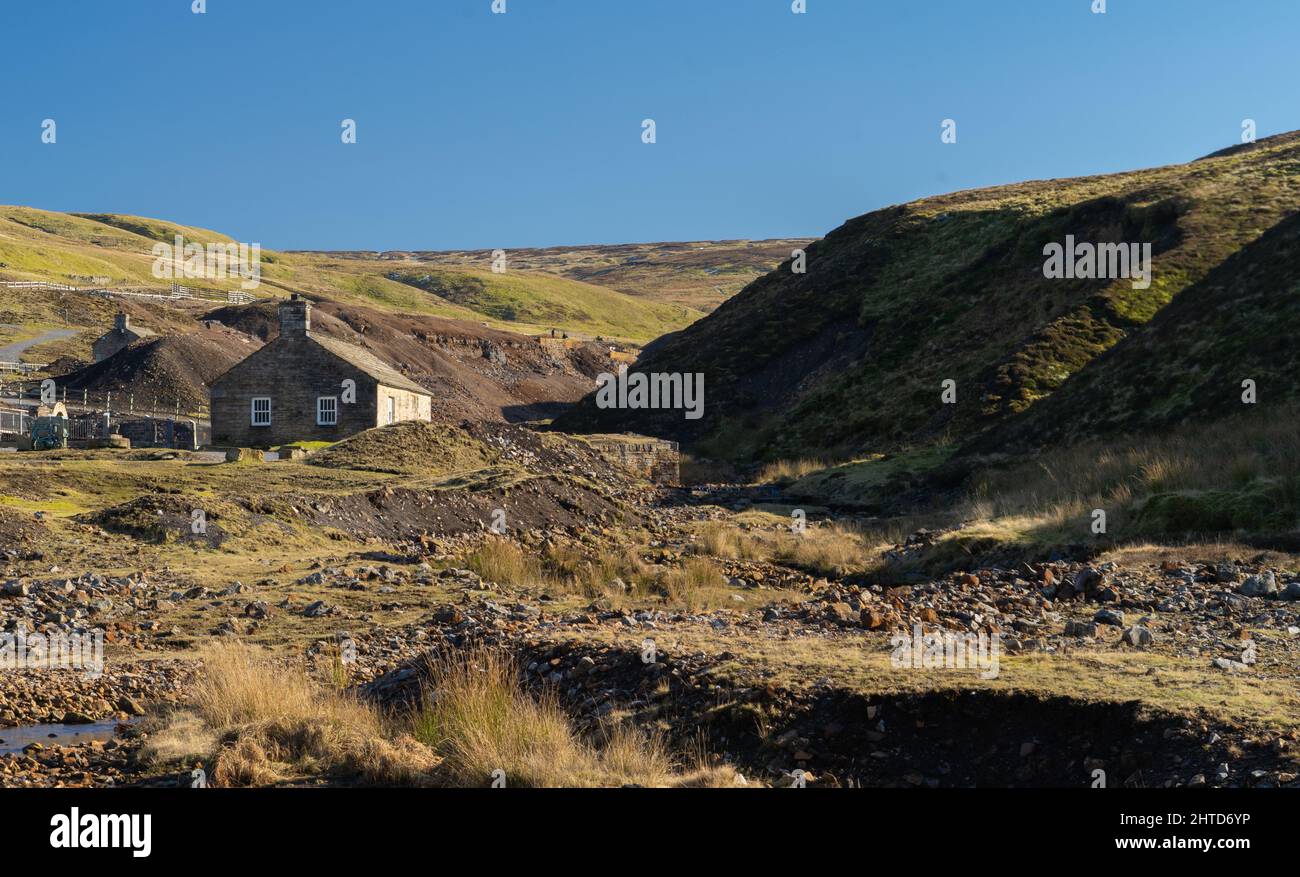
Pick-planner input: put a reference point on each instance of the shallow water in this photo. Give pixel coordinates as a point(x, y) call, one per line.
point(14, 739)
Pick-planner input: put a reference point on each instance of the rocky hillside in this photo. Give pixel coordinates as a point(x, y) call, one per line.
point(850, 356)
point(162, 372)
point(474, 371)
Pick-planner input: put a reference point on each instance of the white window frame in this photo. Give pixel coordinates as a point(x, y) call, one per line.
point(392, 410)
point(332, 409)
point(253, 412)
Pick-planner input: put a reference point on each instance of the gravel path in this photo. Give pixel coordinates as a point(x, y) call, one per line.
point(13, 352)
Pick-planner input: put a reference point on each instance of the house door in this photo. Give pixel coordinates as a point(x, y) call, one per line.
point(392, 409)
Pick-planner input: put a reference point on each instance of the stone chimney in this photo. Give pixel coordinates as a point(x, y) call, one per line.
point(295, 317)
point(122, 322)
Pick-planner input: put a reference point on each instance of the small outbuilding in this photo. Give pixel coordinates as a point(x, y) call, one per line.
point(122, 336)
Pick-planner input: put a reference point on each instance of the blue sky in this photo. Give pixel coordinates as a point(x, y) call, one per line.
point(524, 129)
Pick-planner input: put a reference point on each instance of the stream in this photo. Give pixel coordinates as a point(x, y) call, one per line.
point(15, 739)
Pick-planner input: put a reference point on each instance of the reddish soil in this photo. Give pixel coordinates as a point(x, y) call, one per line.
point(474, 372)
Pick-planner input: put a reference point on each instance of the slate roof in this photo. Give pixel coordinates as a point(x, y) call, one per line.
point(138, 331)
point(370, 364)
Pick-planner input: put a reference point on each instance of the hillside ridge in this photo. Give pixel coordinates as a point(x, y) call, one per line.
point(850, 357)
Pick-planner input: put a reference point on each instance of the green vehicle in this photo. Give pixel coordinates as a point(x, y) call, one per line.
point(49, 433)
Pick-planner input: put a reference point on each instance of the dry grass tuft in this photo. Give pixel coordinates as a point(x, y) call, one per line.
point(835, 549)
point(789, 471)
point(561, 569)
point(256, 722)
point(568, 569)
point(481, 721)
point(183, 738)
point(502, 561)
point(729, 542)
point(696, 585)
point(826, 549)
point(279, 724)
point(1238, 474)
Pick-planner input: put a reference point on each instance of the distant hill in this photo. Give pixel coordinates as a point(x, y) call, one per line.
point(849, 358)
point(116, 251)
point(697, 275)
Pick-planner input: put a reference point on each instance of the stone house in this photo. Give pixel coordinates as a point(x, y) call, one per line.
point(122, 335)
point(305, 387)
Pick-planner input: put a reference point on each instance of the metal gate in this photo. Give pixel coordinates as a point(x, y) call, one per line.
point(13, 423)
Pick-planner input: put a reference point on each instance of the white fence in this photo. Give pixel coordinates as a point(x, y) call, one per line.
point(233, 296)
point(24, 368)
point(19, 395)
point(39, 284)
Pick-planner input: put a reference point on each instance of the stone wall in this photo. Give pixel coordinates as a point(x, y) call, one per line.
point(149, 432)
point(656, 460)
point(406, 406)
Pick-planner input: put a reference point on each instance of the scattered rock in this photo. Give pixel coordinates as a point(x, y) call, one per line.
point(1138, 636)
point(1112, 617)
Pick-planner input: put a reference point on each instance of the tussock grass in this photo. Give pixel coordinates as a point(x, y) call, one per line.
point(1241, 474)
point(696, 585)
point(830, 549)
point(570, 570)
point(834, 549)
point(480, 720)
point(500, 560)
point(1233, 479)
point(253, 721)
point(727, 541)
point(275, 723)
point(789, 471)
point(560, 569)
point(183, 738)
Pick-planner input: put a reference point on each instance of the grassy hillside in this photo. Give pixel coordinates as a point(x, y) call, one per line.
point(536, 302)
point(848, 359)
point(1188, 363)
point(116, 250)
